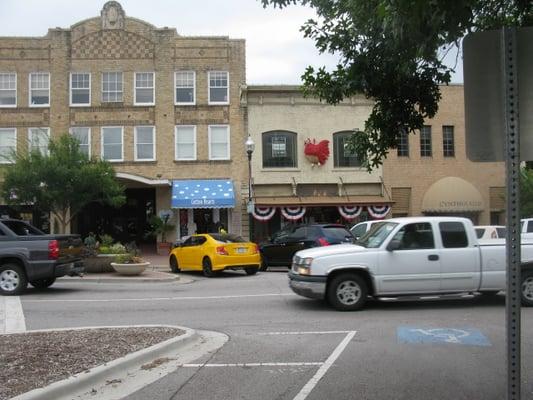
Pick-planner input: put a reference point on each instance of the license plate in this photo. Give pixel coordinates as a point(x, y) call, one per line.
point(241, 250)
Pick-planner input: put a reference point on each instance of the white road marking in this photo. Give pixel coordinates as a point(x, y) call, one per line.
point(302, 333)
point(14, 315)
point(309, 386)
point(240, 296)
point(267, 364)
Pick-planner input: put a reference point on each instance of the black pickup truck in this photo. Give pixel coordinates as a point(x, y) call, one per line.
point(28, 255)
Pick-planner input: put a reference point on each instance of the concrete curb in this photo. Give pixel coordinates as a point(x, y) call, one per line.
point(88, 278)
point(84, 381)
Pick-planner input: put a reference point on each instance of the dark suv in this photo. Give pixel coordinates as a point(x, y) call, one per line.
point(286, 242)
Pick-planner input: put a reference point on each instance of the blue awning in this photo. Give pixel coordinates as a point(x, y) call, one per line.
point(213, 193)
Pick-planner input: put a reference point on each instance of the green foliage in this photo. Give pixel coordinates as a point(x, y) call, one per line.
point(392, 52)
point(104, 250)
point(63, 180)
point(106, 240)
point(128, 258)
point(160, 226)
point(526, 193)
point(117, 248)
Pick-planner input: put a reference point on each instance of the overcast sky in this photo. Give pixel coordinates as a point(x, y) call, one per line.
point(276, 51)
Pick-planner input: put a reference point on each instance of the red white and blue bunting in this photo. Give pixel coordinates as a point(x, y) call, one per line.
point(293, 213)
point(378, 212)
point(349, 213)
point(263, 213)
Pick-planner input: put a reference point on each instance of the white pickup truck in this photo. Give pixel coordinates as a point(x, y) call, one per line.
point(404, 257)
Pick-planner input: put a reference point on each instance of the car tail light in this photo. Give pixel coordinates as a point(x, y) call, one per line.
point(221, 250)
point(53, 250)
point(255, 249)
point(323, 242)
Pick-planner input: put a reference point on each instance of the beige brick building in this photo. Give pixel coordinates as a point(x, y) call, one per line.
point(437, 178)
point(161, 107)
point(429, 174)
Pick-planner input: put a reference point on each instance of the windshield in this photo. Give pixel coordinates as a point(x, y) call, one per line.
point(227, 238)
point(21, 228)
point(377, 234)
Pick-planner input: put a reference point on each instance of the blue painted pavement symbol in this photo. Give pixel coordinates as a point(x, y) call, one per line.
point(465, 336)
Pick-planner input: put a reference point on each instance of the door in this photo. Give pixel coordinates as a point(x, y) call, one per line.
point(414, 265)
point(275, 251)
point(460, 262)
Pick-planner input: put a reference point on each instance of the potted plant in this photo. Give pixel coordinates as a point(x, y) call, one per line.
point(159, 227)
point(98, 255)
point(129, 264)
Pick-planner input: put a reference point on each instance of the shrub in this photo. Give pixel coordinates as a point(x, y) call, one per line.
point(128, 258)
point(117, 248)
point(106, 240)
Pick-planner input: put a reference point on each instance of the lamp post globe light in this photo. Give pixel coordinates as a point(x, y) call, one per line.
point(250, 146)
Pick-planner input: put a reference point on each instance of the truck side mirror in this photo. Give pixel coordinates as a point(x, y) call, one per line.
point(394, 244)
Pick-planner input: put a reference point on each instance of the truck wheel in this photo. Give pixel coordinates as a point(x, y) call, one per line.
point(207, 268)
point(347, 292)
point(12, 279)
point(43, 283)
point(527, 288)
point(174, 266)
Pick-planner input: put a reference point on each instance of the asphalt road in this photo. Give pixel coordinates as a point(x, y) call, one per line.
point(288, 347)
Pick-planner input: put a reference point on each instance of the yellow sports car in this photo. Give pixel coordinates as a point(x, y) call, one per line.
point(215, 252)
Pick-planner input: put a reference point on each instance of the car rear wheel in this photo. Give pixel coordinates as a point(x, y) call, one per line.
point(13, 279)
point(174, 266)
point(207, 268)
point(347, 292)
point(251, 271)
point(43, 283)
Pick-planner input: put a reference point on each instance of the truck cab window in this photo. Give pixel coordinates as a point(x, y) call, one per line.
point(415, 236)
point(453, 234)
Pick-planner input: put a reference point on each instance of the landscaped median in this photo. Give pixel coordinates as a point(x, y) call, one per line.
point(95, 362)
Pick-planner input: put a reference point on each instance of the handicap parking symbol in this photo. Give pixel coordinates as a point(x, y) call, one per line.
point(464, 336)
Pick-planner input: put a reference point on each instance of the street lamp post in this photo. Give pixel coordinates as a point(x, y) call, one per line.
point(250, 146)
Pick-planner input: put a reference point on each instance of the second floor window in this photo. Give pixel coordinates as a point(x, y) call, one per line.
point(112, 139)
point(219, 142)
point(8, 90)
point(448, 141)
point(83, 135)
point(403, 144)
point(80, 89)
point(112, 87)
point(425, 142)
point(144, 143)
point(342, 156)
point(185, 140)
point(185, 87)
point(39, 139)
point(144, 88)
point(218, 87)
point(8, 145)
point(40, 89)
point(279, 149)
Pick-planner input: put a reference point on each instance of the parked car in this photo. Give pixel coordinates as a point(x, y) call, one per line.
point(27, 255)
point(361, 228)
point(286, 242)
point(490, 231)
point(215, 252)
point(408, 257)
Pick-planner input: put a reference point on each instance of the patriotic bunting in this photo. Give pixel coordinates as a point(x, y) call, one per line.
point(263, 213)
point(349, 213)
point(293, 213)
point(378, 212)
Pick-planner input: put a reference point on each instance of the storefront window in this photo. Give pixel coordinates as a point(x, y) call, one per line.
point(279, 149)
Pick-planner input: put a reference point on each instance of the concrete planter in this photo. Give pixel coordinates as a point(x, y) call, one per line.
point(99, 263)
point(130, 269)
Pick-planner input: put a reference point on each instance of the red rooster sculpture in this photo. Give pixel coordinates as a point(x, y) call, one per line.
point(316, 153)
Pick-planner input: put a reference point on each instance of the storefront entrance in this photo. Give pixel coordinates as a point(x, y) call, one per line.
point(126, 224)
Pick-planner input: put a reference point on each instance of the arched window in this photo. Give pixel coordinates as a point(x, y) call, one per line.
point(342, 156)
point(279, 149)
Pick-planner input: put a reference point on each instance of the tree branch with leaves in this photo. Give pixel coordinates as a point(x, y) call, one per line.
point(392, 52)
point(61, 182)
